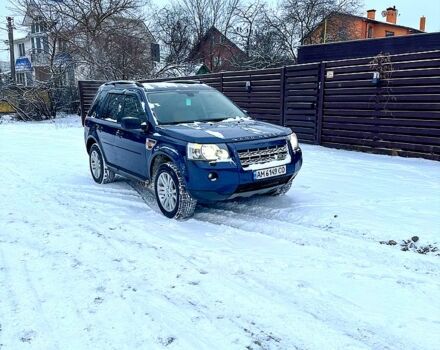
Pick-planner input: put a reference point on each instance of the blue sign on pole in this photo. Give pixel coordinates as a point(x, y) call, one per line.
point(22, 64)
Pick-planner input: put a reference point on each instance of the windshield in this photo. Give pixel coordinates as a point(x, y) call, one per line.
point(186, 106)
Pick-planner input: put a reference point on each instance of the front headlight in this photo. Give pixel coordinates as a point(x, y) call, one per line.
point(209, 152)
point(293, 141)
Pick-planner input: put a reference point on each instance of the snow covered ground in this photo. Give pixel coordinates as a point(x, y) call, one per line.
point(86, 266)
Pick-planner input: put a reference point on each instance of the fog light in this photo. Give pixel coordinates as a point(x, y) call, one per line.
point(212, 176)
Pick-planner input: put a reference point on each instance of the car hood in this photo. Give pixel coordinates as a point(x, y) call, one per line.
point(230, 130)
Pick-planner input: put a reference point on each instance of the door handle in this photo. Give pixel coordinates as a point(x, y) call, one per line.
point(119, 133)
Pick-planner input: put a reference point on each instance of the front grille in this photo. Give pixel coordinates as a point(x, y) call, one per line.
point(263, 155)
point(262, 184)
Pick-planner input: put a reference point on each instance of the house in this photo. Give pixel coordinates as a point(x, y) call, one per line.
point(216, 52)
point(32, 53)
point(343, 26)
point(127, 48)
point(5, 72)
point(41, 52)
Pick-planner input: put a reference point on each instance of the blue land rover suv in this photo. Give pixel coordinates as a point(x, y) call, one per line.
point(188, 142)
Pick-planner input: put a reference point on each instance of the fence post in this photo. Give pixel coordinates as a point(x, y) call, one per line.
point(221, 82)
point(282, 94)
point(320, 104)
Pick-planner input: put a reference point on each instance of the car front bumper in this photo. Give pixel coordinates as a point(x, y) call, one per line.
point(227, 180)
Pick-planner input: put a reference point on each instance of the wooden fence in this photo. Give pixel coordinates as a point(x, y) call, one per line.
point(338, 103)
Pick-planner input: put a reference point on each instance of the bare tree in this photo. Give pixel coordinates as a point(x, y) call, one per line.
point(172, 27)
point(269, 36)
point(103, 39)
point(249, 17)
point(89, 28)
point(293, 20)
point(123, 50)
point(204, 14)
point(180, 25)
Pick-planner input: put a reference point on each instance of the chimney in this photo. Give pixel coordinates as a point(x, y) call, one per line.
point(392, 15)
point(422, 26)
point(371, 14)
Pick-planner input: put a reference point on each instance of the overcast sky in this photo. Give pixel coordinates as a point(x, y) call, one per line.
point(409, 15)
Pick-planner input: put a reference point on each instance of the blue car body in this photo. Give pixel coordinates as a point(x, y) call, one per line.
point(133, 153)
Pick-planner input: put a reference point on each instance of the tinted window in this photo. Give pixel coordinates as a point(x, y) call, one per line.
point(114, 107)
point(133, 107)
point(171, 107)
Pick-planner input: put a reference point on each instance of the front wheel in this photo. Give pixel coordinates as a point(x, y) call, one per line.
point(171, 195)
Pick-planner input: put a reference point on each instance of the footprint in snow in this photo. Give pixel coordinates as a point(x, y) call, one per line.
point(98, 300)
point(28, 336)
point(166, 341)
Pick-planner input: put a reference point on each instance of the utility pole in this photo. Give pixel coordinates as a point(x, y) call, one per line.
point(11, 46)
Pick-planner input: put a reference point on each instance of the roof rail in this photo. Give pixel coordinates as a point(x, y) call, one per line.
point(184, 81)
point(122, 82)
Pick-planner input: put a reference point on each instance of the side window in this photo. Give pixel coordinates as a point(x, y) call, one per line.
point(114, 107)
point(133, 108)
point(94, 109)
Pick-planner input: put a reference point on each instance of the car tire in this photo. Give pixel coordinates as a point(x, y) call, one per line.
point(173, 199)
point(99, 170)
point(283, 189)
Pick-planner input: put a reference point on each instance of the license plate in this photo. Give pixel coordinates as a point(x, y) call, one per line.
point(269, 172)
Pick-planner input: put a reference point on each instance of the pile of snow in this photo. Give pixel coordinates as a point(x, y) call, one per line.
point(87, 266)
point(6, 118)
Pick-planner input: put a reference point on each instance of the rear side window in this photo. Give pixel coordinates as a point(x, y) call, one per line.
point(133, 108)
point(114, 108)
point(94, 109)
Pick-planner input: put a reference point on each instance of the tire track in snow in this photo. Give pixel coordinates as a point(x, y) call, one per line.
point(49, 211)
point(67, 213)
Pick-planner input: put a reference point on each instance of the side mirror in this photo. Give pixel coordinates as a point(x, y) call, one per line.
point(131, 123)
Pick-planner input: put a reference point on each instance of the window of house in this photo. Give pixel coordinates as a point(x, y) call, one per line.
point(62, 45)
point(370, 32)
point(217, 61)
point(38, 26)
point(21, 49)
point(388, 33)
point(38, 42)
point(21, 79)
point(114, 107)
point(46, 44)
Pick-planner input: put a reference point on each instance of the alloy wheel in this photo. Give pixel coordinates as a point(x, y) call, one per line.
point(95, 164)
point(167, 191)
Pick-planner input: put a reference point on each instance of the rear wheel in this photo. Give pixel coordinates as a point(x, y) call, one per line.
point(173, 199)
point(99, 170)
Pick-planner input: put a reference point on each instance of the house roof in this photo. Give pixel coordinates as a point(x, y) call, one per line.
point(365, 19)
point(31, 10)
point(381, 22)
point(211, 31)
point(134, 22)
